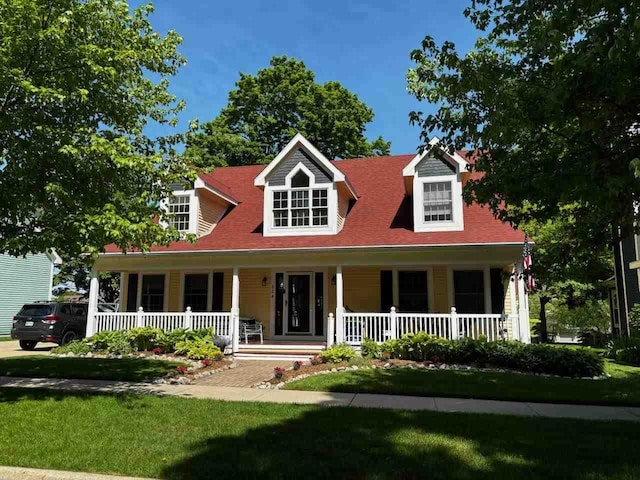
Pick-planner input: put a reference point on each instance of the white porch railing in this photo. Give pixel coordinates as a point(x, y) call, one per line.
point(384, 326)
point(167, 321)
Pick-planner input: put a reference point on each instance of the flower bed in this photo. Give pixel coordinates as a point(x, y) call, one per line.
point(191, 347)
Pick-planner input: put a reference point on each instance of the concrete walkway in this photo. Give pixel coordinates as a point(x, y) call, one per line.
point(20, 473)
point(12, 349)
point(364, 400)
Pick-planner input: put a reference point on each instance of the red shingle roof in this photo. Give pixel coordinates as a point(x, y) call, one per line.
point(380, 217)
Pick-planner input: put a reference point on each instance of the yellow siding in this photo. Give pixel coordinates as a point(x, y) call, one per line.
point(343, 206)
point(255, 300)
point(210, 211)
point(440, 289)
point(174, 291)
point(362, 289)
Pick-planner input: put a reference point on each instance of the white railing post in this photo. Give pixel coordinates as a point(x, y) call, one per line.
point(140, 317)
point(455, 324)
point(235, 310)
point(339, 305)
point(188, 320)
point(92, 308)
point(393, 323)
point(331, 326)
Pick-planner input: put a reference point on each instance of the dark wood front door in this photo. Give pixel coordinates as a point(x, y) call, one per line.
point(299, 303)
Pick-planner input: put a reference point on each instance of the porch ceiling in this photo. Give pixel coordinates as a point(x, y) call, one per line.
point(499, 255)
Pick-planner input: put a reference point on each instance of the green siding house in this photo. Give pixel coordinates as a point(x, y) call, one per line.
point(23, 280)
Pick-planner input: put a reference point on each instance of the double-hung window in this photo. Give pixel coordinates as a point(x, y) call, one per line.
point(179, 212)
point(300, 205)
point(438, 202)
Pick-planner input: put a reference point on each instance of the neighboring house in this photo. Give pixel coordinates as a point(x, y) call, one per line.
point(320, 251)
point(24, 280)
point(624, 292)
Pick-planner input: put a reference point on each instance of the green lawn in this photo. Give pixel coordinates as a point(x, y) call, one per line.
point(623, 388)
point(41, 366)
point(5, 339)
point(178, 438)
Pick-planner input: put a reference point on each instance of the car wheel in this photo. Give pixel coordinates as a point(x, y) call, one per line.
point(69, 336)
point(28, 344)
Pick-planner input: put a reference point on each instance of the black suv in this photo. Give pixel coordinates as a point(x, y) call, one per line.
point(57, 322)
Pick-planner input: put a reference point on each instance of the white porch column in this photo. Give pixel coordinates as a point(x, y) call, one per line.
point(523, 314)
point(235, 309)
point(94, 286)
point(339, 305)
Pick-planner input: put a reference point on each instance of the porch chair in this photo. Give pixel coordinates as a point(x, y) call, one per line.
point(250, 327)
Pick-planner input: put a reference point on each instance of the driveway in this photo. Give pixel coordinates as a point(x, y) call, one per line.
point(12, 349)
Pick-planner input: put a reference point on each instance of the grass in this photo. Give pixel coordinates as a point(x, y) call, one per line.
point(175, 438)
point(5, 339)
point(41, 366)
point(623, 388)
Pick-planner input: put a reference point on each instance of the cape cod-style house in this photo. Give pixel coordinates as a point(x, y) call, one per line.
point(320, 251)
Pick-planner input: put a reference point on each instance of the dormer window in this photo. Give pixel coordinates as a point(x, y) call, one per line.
point(437, 201)
point(300, 212)
point(434, 180)
point(304, 193)
point(179, 209)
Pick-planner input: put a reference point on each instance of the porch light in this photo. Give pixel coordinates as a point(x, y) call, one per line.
point(264, 281)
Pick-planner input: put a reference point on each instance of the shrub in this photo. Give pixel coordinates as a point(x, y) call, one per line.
point(538, 358)
point(371, 349)
point(297, 364)
point(419, 347)
point(77, 347)
point(146, 338)
point(278, 372)
point(170, 339)
point(315, 360)
point(182, 369)
point(337, 353)
point(634, 319)
point(120, 345)
point(101, 341)
point(592, 337)
point(624, 349)
point(198, 349)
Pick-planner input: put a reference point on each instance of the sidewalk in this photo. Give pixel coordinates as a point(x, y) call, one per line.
point(364, 400)
point(19, 473)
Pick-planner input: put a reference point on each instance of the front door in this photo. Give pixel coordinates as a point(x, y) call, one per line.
point(299, 306)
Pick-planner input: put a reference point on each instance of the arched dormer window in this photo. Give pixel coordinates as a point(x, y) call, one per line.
point(300, 205)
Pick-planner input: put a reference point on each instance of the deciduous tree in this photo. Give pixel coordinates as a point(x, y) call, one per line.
point(267, 109)
point(79, 82)
point(550, 98)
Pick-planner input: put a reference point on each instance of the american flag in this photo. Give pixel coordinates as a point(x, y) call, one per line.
point(527, 262)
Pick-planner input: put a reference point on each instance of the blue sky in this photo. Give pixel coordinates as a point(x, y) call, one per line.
point(363, 44)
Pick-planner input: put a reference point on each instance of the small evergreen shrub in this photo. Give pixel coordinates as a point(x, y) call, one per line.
point(198, 349)
point(624, 349)
point(337, 353)
point(77, 347)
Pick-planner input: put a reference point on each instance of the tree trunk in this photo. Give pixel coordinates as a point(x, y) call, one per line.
point(544, 337)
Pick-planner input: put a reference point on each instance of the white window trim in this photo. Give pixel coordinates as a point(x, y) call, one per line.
point(457, 222)
point(194, 209)
point(269, 230)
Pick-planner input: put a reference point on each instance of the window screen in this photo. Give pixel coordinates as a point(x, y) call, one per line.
point(438, 203)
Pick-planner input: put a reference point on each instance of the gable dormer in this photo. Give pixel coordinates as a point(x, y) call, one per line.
point(198, 210)
point(434, 179)
point(304, 193)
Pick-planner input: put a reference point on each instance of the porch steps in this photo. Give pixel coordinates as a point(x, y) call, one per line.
point(289, 357)
point(280, 350)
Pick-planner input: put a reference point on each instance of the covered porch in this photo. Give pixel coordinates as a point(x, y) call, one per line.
point(308, 306)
